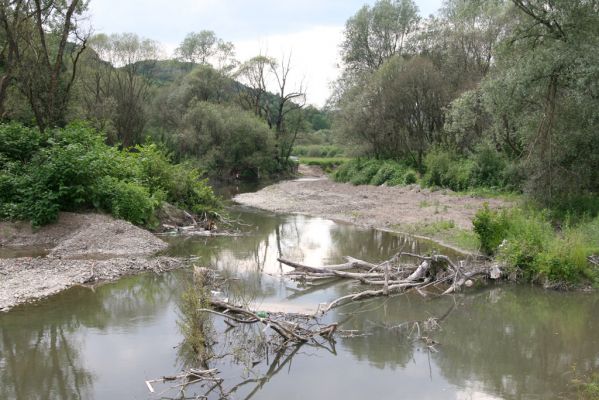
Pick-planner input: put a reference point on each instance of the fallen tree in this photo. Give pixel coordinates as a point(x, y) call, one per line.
point(393, 276)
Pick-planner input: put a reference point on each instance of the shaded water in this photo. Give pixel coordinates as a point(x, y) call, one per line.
point(502, 342)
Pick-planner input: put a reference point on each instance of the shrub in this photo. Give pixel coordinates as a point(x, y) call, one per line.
point(385, 173)
point(410, 177)
point(491, 228)
point(374, 172)
point(346, 171)
point(488, 167)
point(534, 250)
point(18, 142)
point(72, 169)
point(446, 169)
point(127, 200)
point(366, 172)
point(528, 233)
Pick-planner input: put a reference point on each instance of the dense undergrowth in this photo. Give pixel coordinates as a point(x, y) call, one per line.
point(317, 150)
point(442, 169)
point(42, 173)
point(360, 171)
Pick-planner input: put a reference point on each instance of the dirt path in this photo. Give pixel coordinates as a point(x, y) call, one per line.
point(77, 249)
point(391, 208)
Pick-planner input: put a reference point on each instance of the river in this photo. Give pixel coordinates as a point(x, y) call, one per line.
point(497, 342)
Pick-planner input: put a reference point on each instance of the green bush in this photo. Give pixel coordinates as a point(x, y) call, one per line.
point(386, 172)
point(126, 200)
point(446, 169)
point(346, 171)
point(375, 172)
point(73, 169)
point(488, 167)
point(410, 177)
point(18, 142)
point(317, 150)
point(534, 250)
point(366, 172)
point(491, 228)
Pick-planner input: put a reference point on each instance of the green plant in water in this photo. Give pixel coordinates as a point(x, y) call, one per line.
point(195, 325)
point(586, 386)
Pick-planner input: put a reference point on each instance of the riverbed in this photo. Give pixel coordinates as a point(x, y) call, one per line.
point(497, 342)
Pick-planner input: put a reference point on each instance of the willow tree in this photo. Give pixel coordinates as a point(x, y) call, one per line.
point(41, 49)
point(397, 111)
point(374, 34)
point(544, 90)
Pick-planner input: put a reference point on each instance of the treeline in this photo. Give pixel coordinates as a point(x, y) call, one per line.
point(489, 93)
point(233, 119)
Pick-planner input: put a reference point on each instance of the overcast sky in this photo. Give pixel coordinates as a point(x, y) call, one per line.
point(311, 30)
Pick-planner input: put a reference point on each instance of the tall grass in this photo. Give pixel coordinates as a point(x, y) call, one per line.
point(532, 247)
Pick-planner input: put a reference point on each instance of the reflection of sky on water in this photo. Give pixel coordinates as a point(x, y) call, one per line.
point(508, 342)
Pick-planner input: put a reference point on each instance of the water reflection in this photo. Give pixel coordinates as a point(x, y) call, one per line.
point(44, 356)
point(521, 342)
point(44, 348)
point(504, 342)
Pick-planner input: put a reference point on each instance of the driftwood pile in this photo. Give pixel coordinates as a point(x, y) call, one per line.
point(392, 277)
point(284, 324)
point(283, 332)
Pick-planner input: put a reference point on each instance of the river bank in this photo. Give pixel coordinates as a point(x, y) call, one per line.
point(443, 216)
point(77, 249)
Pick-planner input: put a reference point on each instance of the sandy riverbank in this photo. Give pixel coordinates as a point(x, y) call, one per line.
point(397, 209)
point(77, 249)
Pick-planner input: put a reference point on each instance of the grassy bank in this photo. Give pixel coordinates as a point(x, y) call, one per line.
point(445, 232)
point(545, 246)
point(536, 248)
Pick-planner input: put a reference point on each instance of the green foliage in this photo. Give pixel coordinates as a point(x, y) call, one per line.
point(229, 142)
point(410, 177)
point(445, 169)
point(488, 167)
point(375, 172)
point(72, 169)
point(18, 142)
point(587, 386)
point(327, 164)
point(366, 172)
point(525, 240)
point(321, 151)
point(491, 228)
point(126, 200)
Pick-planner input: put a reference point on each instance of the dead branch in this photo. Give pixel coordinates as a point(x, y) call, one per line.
point(394, 277)
point(289, 331)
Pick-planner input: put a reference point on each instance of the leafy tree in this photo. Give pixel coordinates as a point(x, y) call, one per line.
point(396, 112)
point(115, 86)
point(228, 141)
point(374, 34)
point(543, 94)
point(42, 46)
point(197, 47)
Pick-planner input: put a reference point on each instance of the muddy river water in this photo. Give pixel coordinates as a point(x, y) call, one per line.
point(499, 342)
